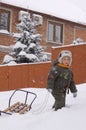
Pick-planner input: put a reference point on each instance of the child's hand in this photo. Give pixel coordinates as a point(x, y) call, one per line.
point(75, 94)
point(49, 90)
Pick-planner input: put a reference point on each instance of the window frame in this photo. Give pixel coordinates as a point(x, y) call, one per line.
point(9, 21)
point(54, 23)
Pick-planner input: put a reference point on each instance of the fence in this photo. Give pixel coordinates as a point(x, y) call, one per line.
point(79, 60)
point(22, 76)
point(35, 75)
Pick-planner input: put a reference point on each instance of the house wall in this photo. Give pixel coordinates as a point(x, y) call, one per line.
point(80, 32)
point(71, 30)
point(68, 33)
point(7, 39)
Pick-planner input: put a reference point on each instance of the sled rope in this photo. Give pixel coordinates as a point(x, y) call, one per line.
point(42, 106)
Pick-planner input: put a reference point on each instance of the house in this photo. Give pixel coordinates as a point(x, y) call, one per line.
point(61, 23)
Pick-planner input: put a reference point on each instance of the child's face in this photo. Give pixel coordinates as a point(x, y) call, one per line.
point(66, 60)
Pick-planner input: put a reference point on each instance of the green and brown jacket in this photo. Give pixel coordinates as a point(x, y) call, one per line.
point(60, 78)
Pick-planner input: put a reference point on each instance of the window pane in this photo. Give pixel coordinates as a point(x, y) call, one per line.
point(55, 32)
point(58, 33)
point(4, 21)
point(50, 32)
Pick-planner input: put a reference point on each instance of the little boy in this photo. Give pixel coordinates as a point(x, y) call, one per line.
point(60, 79)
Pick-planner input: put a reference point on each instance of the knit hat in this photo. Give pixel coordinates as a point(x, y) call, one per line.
point(64, 53)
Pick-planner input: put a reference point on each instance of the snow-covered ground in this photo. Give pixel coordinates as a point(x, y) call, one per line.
point(41, 116)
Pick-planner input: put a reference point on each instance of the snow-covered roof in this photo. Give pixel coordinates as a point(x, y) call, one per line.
point(64, 9)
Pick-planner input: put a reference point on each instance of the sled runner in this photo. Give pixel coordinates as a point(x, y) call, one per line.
point(19, 107)
point(5, 113)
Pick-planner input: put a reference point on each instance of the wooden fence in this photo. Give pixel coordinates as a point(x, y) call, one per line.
point(35, 75)
point(78, 63)
point(24, 76)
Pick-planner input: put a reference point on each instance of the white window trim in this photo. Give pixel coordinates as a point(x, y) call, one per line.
point(54, 21)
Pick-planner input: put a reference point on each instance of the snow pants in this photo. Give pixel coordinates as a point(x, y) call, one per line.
point(60, 98)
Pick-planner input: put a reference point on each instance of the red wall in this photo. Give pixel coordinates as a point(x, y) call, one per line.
point(35, 75)
point(79, 60)
point(24, 76)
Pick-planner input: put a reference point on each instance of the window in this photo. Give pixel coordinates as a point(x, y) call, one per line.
point(55, 32)
point(4, 20)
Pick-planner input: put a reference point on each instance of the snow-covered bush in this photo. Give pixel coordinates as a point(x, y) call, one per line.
point(7, 59)
point(78, 41)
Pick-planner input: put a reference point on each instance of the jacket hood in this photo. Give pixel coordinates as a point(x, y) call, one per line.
point(55, 62)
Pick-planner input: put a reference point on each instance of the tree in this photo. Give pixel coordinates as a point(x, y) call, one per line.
point(27, 48)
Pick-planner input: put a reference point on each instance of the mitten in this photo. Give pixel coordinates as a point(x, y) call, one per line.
point(49, 90)
point(75, 94)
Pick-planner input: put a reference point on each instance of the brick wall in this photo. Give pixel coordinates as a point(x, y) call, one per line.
point(68, 33)
point(80, 32)
point(2, 55)
point(71, 30)
point(7, 39)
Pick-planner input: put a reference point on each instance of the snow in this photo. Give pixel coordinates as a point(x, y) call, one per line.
point(81, 4)
point(19, 44)
point(8, 58)
point(4, 31)
point(63, 9)
point(41, 116)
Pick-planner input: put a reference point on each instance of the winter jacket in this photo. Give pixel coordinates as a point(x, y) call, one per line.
point(60, 78)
